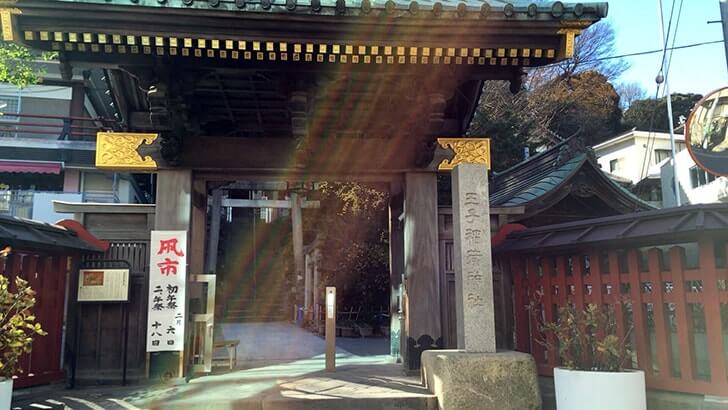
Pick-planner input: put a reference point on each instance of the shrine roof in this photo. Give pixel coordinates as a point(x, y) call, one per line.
point(547, 172)
point(497, 9)
point(30, 234)
point(653, 228)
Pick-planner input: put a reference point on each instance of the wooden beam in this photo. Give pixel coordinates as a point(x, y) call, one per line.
point(267, 203)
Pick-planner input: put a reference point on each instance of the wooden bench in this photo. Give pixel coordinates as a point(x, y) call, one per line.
point(232, 349)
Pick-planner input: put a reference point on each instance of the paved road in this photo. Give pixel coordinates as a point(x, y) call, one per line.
point(56, 397)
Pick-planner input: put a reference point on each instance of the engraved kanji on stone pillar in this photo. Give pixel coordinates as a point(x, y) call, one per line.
point(473, 267)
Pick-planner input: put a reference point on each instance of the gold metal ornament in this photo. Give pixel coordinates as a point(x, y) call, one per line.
point(467, 151)
point(119, 151)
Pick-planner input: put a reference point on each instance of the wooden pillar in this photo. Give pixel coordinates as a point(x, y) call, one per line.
point(173, 213)
point(396, 270)
point(422, 284)
point(316, 291)
point(307, 282)
point(211, 265)
point(297, 226)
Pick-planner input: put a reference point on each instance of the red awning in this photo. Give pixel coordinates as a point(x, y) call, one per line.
point(30, 167)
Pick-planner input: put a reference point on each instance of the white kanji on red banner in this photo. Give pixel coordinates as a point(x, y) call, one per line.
point(167, 280)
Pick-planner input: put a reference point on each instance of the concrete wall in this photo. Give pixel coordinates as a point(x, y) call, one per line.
point(715, 191)
point(36, 100)
point(630, 152)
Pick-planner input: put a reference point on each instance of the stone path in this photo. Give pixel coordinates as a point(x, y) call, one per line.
point(282, 367)
point(359, 383)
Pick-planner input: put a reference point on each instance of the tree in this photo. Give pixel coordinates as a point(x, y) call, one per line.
point(570, 98)
point(17, 64)
point(629, 93)
point(651, 115)
point(593, 51)
point(351, 226)
point(505, 118)
point(585, 105)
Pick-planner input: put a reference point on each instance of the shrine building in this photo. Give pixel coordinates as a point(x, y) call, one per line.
point(219, 97)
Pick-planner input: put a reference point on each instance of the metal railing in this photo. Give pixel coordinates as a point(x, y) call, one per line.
point(20, 202)
point(61, 127)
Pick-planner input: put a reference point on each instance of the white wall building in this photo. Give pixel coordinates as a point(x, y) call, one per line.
point(696, 185)
point(47, 147)
point(636, 155)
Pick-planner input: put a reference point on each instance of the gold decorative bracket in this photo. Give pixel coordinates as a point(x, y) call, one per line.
point(6, 20)
point(467, 151)
point(120, 151)
point(569, 41)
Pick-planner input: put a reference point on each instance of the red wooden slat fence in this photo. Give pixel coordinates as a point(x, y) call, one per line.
point(46, 274)
point(678, 312)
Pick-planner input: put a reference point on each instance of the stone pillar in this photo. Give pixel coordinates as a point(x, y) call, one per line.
point(421, 256)
point(473, 267)
point(297, 226)
point(476, 376)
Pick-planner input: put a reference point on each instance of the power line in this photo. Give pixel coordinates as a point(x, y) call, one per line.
point(641, 53)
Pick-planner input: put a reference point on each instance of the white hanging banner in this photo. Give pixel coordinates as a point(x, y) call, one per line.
point(167, 280)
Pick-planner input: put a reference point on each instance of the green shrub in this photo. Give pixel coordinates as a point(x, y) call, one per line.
point(18, 325)
point(585, 340)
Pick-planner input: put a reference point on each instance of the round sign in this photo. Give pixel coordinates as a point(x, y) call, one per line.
point(706, 132)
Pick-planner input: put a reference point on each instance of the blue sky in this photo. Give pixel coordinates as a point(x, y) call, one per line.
point(699, 69)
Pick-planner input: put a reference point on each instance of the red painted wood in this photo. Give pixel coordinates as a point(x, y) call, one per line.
point(41, 271)
point(520, 290)
point(562, 298)
point(615, 280)
point(662, 335)
point(682, 319)
point(638, 313)
point(548, 306)
point(711, 303)
point(533, 284)
point(578, 278)
point(711, 298)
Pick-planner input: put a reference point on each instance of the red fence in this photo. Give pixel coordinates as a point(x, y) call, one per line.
point(46, 274)
point(673, 298)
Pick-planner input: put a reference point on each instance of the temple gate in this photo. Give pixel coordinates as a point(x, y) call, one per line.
point(295, 92)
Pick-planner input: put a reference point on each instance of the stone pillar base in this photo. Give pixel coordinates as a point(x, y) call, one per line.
point(461, 380)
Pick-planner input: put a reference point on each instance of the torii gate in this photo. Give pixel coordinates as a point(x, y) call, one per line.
point(295, 203)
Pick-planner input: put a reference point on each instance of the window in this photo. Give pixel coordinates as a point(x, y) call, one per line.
point(615, 165)
point(661, 155)
point(9, 104)
point(699, 177)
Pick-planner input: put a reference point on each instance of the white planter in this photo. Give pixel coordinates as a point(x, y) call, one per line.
point(579, 390)
point(6, 393)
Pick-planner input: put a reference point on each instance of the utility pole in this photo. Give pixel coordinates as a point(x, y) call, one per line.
point(724, 21)
point(668, 96)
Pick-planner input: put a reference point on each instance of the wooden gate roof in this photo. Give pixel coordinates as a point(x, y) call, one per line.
point(656, 227)
point(335, 85)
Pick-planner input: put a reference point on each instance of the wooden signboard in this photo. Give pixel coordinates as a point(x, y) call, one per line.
point(103, 285)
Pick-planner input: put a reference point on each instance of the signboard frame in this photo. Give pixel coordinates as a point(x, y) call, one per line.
point(103, 265)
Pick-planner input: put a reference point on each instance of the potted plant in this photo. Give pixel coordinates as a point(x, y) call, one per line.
point(18, 327)
point(594, 371)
